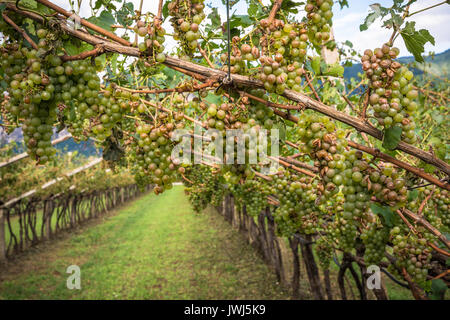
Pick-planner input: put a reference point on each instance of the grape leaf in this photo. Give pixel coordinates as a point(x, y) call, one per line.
point(290, 6)
point(371, 17)
point(30, 26)
point(315, 65)
point(413, 194)
point(234, 32)
point(384, 212)
point(438, 288)
point(395, 20)
point(343, 3)
point(334, 70)
point(437, 116)
point(348, 64)
point(31, 4)
point(43, 9)
point(252, 9)
point(215, 19)
point(74, 47)
point(122, 14)
point(392, 137)
point(106, 3)
point(323, 67)
point(212, 98)
point(113, 63)
point(415, 40)
point(243, 21)
point(165, 10)
point(105, 20)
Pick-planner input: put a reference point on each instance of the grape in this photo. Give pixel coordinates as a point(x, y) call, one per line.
point(251, 195)
point(319, 14)
point(185, 18)
point(206, 187)
point(392, 97)
point(151, 154)
point(412, 254)
point(281, 67)
point(152, 44)
point(375, 238)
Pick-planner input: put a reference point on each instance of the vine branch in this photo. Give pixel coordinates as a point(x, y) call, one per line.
point(20, 30)
point(86, 54)
point(273, 12)
point(427, 8)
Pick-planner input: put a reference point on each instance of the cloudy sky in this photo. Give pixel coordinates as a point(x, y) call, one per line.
point(345, 22)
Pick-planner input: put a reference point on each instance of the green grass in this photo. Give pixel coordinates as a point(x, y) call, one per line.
point(155, 248)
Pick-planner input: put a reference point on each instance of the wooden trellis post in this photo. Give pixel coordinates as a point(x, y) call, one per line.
point(2, 236)
point(47, 214)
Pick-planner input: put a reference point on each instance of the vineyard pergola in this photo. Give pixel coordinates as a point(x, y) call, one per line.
point(355, 181)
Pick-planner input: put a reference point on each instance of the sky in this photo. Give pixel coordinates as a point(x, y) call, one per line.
point(345, 22)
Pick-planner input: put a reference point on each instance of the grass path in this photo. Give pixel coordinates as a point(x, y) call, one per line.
point(155, 248)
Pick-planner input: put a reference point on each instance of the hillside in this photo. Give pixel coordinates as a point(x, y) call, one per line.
point(438, 64)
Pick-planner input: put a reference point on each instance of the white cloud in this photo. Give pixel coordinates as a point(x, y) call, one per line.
point(351, 18)
point(435, 20)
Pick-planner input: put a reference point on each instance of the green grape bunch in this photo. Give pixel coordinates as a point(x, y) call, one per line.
point(282, 63)
point(392, 96)
point(412, 252)
point(153, 35)
point(186, 17)
point(319, 14)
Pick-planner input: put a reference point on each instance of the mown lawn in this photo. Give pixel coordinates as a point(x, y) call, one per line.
point(155, 248)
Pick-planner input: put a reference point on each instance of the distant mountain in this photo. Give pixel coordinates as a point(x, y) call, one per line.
point(438, 64)
point(86, 148)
